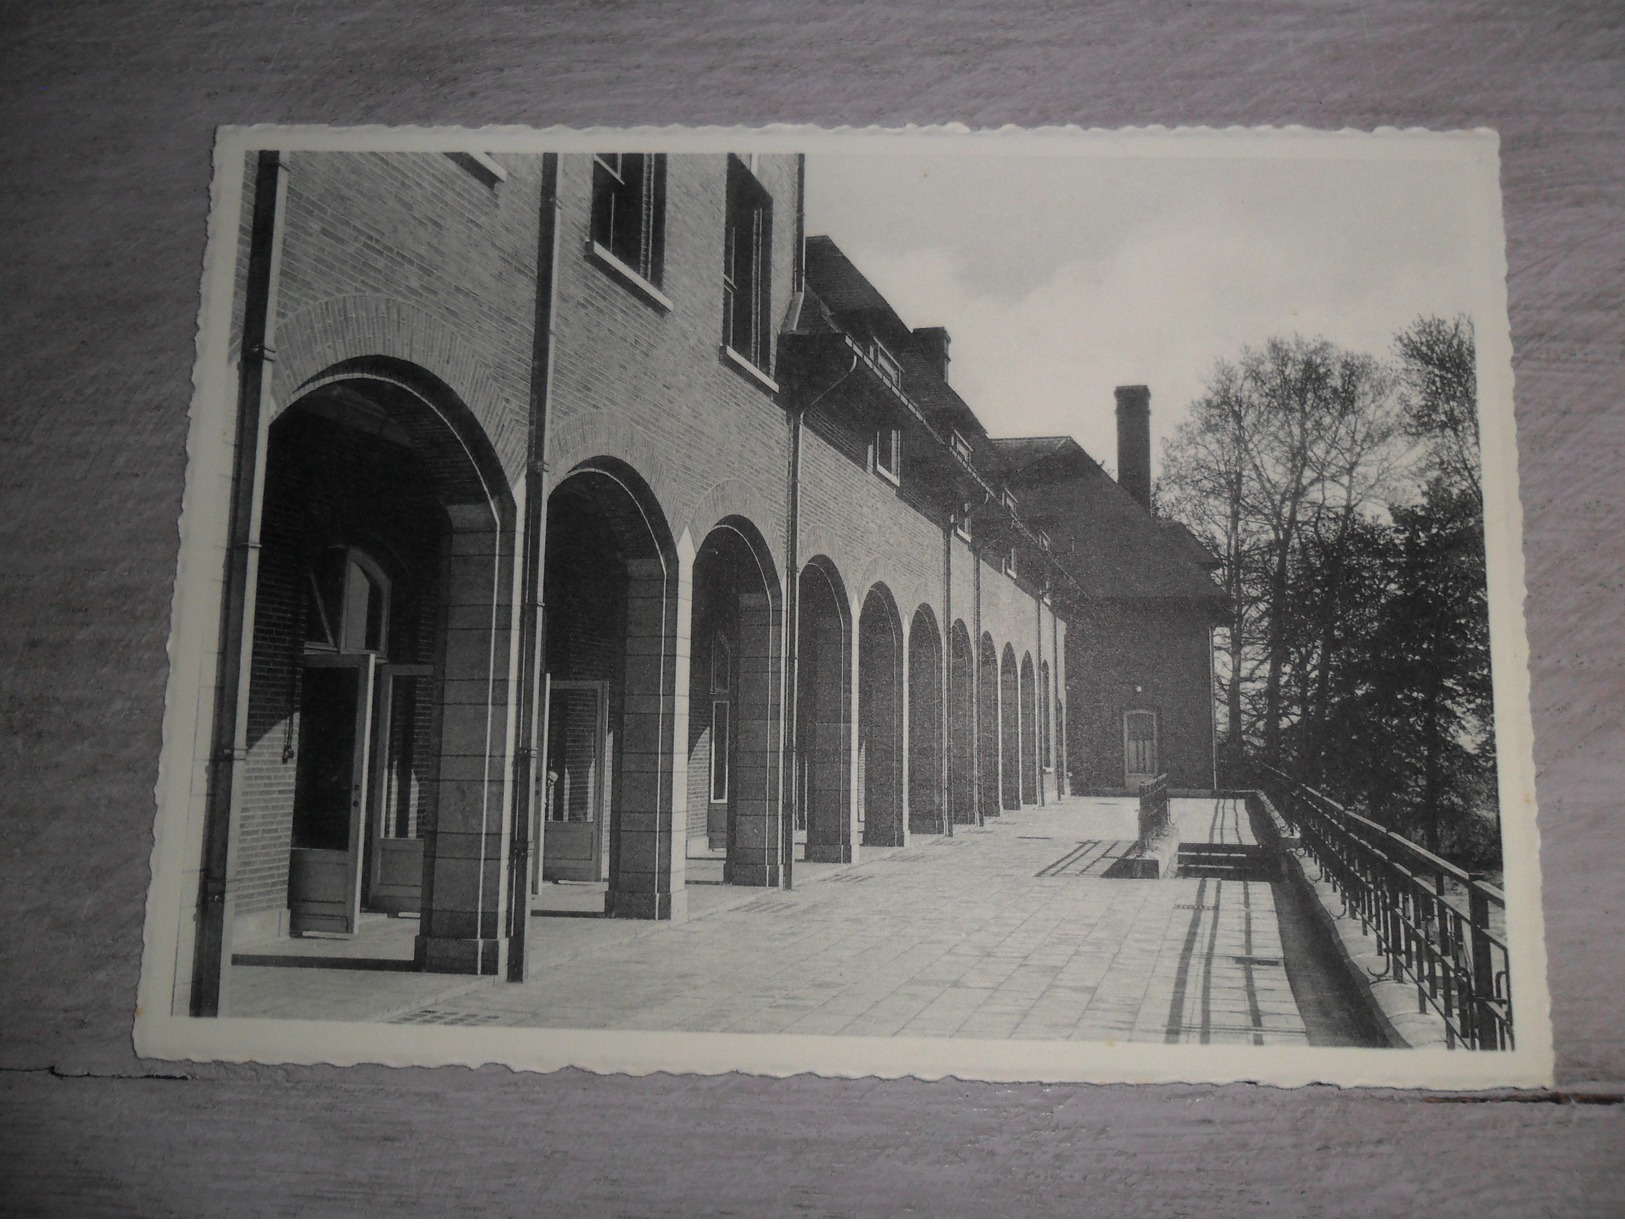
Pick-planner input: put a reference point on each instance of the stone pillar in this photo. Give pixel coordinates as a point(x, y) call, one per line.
point(461, 926)
point(753, 842)
point(647, 845)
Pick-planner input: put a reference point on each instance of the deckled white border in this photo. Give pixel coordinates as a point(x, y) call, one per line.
point(160, 1034)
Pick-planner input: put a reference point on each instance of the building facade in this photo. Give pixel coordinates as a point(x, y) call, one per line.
point(590, 523)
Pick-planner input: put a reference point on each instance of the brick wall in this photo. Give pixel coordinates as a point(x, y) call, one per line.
point(1140, 657)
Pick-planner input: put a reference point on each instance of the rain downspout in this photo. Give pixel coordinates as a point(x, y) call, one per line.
point(530, 753)
point(792, 632)
point(229, 739)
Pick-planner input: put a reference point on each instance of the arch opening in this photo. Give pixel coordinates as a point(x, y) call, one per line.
point(609, 586)
point(1009, 731)
point(824, 807)
point(384, 558)
point(733, 713)
point(988, 727)
point(927, 810)
point(1030, 779)
point(880, 719)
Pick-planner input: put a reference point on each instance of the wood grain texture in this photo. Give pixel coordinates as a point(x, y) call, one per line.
point(109, 110)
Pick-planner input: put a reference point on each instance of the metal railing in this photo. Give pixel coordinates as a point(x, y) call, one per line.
point(1154, 819)
point(1436, 924)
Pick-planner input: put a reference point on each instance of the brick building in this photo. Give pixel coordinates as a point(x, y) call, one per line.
point(590, 523)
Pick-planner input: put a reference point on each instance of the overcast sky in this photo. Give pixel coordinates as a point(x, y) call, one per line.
point(1061, 278)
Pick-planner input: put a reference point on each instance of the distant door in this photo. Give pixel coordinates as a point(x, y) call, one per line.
point(394, 876)
point(575, 844)
point(1139, 747)
point(330, 793)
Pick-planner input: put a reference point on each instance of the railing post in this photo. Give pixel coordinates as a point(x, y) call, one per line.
point(1483, 980)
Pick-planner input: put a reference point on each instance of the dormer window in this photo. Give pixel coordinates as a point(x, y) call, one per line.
point(1007, 562)
point(1043, 540)
point(962, 526)
point(890, 368)
point(889, 454)
point(961, 445)
point(1007, 498)
point(629, 213)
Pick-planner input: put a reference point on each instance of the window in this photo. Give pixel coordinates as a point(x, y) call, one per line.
point(719, 751)
point(747, 247)
point(346, 604)
point(1008, 498)
point(629, 211)
point(961, 444)
point(889, 453)
point(890, 368)
point(1007, 562)
point(721, 664)
point(1140, 743)
point(962, 526)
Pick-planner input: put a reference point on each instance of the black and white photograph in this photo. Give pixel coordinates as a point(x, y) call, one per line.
point(1021, 606)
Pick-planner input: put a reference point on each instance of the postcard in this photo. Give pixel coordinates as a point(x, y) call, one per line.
point(1019, 605)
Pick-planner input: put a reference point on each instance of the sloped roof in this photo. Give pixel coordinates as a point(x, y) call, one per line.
point(1110, 543)
point(842, 287)
point(840, 290)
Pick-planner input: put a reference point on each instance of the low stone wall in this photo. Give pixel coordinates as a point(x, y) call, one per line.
point(1350, 945)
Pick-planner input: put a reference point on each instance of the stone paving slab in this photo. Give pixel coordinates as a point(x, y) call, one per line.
point(977, 935)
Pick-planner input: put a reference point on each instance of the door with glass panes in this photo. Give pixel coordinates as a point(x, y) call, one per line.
point(362, 772)
point(576, 802)
point(1139, 747)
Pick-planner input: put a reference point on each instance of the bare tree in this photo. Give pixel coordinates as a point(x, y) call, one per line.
point(1289, 444)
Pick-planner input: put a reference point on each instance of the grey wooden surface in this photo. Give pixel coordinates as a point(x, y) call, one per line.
point(106, 113)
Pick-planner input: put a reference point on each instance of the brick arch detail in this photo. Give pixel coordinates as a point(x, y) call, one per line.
point(593, 435)
point(906, 592)
point(337, 329)
point(735, 498)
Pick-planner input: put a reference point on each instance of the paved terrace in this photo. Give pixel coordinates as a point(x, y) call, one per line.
point(1011, 930)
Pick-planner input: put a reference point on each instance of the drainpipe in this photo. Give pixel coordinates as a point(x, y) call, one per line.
point(944, 781)
point(532, 613)
point(1058, 724)
point(1038, 694)
point(792, 627)
point(229, 736)
point(789, 785)
point(976, 687)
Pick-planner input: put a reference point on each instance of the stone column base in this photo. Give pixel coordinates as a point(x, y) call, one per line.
point(754, 874)
point(647, 906)
point(483, 957)
point(829, 853)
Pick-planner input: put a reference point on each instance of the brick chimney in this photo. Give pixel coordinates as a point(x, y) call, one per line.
point(1134, 442)
point(933, 342)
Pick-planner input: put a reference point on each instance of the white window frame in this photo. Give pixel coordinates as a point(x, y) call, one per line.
point(720, 716)
point(888, 438)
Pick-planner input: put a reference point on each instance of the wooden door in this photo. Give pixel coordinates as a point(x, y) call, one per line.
point(1139, 747)
point(331, 783)
point(576, 799)
point(402, 774)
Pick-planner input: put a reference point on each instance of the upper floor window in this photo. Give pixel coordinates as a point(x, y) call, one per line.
point(1007, 561)
point(890, 368)
point(746, 268)
point(961, 444)
point(629, 211)
point(889, 453)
